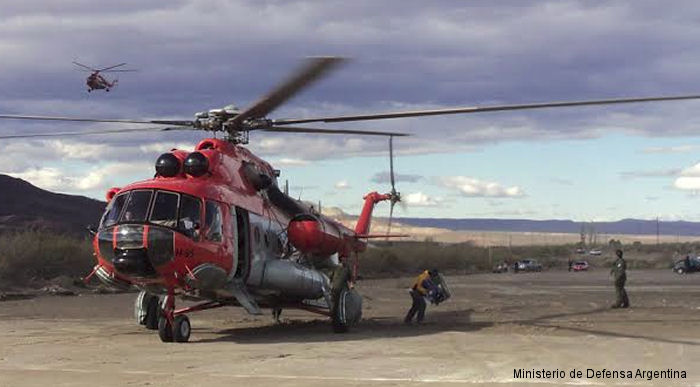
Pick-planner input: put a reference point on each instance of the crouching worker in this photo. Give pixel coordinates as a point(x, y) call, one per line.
point(423, 287)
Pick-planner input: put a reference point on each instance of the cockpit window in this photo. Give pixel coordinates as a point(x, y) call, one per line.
point(164, 211)
point(190, 215)
point(167, 209)
point(137, 207)
point(114, 208)
point(214, 222)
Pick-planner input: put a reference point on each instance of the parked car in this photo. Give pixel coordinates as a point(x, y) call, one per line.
point(687, 265)
point(500, 268)
point(527, 265)
point(580, 266)
point(595, 252)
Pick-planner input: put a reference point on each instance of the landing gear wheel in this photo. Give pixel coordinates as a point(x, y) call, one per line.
point(182, 329)
point(147, 309)
point(347, 310)
point(152, 313)
point(165, 330)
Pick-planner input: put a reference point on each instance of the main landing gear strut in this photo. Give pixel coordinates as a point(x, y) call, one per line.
point(172, 324)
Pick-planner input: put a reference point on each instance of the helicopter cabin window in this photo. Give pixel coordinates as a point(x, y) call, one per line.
point(137, 206)
point(164, 211)
point(114, 208)
point(213, 222)
point(190, 215)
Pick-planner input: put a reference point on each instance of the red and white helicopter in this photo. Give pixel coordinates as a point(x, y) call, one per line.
point(95, 81)
point(214, 225)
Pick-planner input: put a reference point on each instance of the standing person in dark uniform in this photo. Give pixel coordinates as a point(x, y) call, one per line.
point(422, 287)
point(619, 270)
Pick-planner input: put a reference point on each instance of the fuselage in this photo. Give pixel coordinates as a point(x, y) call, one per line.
point(213, 217)
point(95, 81)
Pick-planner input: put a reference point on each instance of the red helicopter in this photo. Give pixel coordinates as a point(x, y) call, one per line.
point(213, 224)
point(95, 81)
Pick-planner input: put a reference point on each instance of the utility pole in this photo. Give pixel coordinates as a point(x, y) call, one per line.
point(657, 230)
point(490, 257)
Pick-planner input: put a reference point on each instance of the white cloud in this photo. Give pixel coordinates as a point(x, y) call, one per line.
point(94, 180)
point(693, 171)
point(650, 173)
point(47, 178)
point(78, 150)
point(689, 183)
point(671, 149)
point(472, 187)
point(343, 184)
point(289, 162)
point(689, 179)
point(162, 147)
point(385, 177)
point(419, 199)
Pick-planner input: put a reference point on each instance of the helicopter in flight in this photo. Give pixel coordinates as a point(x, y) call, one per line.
point(213, 224)
point(95, 81)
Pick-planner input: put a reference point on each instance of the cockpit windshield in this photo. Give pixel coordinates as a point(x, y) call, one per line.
point(163, 208)
point(137, 207)
point(114, 209)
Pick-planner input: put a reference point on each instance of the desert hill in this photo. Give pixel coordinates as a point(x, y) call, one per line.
point(23, 206)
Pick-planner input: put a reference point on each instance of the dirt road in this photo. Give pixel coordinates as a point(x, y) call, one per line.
point(493, 325)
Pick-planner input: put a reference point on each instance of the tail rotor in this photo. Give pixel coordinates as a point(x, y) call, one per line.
point(395, 195)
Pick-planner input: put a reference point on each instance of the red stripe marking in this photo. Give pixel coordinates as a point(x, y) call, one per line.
point(114, 237)
point(145, 236)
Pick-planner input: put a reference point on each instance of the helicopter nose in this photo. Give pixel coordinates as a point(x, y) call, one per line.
point(136, 250)
point(133, 262)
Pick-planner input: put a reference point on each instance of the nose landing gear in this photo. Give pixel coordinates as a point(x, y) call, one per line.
point(173, 326)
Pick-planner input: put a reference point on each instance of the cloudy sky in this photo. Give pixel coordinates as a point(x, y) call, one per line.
point(590, 163)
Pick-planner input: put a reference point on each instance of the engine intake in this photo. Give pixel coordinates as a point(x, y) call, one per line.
point(196, 164)
point(167, 165)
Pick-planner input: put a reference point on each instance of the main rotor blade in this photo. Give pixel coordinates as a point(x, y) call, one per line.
point(481, 109)
point(391, 216)
point(391, 164)
point(118, 71)
point(109, 131)
point(111, 67)
point(295, 129)
point(82, 65)
point(313, 69)
point(80, 119)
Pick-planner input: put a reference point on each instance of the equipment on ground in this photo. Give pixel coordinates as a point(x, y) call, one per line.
point(443, 291)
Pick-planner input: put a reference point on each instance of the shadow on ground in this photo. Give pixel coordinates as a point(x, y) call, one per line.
point(371, 328)
point(543, 322)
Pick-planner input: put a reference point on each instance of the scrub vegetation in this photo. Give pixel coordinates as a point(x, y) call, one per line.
point(33, 257)
point(397, 258)
point(30, 258)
